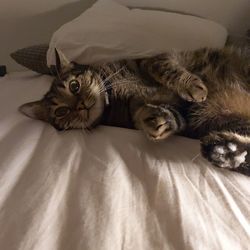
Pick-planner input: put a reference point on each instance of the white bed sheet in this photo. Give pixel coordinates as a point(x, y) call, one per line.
point(111, 189)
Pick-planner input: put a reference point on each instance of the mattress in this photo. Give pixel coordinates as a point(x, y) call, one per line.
point(110, 189)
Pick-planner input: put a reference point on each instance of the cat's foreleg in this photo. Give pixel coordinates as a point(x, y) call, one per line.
point(166, 70)
point(158, 121)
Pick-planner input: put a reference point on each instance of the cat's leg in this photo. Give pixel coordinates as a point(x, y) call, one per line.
point(158, 121)
point(227, 150)
point(166, 70)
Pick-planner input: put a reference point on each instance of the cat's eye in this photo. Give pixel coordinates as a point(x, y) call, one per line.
point(62, 111)
point(74, 86)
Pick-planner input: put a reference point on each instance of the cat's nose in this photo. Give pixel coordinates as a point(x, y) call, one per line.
point(81, 106)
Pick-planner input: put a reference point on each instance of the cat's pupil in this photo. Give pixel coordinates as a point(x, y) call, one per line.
point(61, 111)
point(74, 86)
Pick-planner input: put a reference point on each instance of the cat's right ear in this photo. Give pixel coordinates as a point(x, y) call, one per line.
point(35, 110)
point(62, 63)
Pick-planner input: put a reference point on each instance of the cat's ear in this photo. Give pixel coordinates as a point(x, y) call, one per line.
point(62, 63)
point(35, 110)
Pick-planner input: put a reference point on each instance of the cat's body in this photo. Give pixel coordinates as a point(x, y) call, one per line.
point(126, 89)
point(203, 94)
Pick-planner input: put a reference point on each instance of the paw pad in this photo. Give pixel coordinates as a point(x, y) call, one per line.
point(219, 149)
point(232, 146)
point(241, 158)
point(224, 153)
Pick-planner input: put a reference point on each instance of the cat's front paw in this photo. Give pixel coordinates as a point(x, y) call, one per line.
point(194, 90)
point(159, 122)
point(227, 150)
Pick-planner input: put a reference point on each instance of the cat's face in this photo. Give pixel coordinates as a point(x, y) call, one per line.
point(75, 99)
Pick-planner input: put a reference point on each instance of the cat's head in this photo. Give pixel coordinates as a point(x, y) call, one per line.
point(75, 100)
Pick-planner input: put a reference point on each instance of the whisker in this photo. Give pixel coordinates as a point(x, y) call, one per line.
point(116, 84)
point(128, 79)
point(74, 122)
point(195, 157)
point(111, 76)
point(83, 130)
point(82, 125)
point(88, 130)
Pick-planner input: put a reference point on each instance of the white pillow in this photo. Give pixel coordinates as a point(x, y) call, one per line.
point(109, 31)
point(222, 11)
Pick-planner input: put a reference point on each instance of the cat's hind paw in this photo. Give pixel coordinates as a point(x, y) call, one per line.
point(226, 150)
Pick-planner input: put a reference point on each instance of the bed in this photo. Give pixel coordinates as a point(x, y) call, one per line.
point(111, 189)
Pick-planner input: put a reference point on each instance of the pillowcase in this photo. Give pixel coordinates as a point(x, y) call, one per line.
point(109, 31)
point(222, 11)
point(33, 58)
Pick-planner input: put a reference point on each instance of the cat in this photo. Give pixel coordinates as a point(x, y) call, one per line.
point(202, 94)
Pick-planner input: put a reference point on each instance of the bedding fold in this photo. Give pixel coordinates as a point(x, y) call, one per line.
point(110, 189)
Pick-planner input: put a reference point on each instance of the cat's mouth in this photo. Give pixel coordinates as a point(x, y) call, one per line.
point(85, 114)
point(91, 115)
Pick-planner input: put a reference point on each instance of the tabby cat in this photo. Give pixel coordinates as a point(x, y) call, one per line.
point(202, 94)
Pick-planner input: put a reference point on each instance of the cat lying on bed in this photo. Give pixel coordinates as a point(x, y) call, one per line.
point(203, 94)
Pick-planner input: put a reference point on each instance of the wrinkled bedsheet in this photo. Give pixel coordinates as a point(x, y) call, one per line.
point(111, 189)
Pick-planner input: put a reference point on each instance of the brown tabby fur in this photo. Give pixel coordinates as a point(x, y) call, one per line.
point(203, 94)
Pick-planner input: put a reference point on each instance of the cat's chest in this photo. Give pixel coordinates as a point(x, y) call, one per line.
point(117, 111)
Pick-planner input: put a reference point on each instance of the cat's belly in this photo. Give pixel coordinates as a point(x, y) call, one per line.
point(226, 109)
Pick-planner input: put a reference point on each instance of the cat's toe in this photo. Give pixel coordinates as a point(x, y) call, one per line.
point(196, 91)
point(159, 126)
point(224, 157)
point(225, 153)
point(158, 122)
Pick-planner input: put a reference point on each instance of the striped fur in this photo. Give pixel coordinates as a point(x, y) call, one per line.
point(203, 94)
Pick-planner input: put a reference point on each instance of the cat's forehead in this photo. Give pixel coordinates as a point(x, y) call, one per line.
point(60, 88)
point(86, 75)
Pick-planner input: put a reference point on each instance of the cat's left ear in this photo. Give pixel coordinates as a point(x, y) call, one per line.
point(62, 63)
point(35, 110)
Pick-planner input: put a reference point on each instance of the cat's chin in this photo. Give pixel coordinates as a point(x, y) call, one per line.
point(93, 123)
